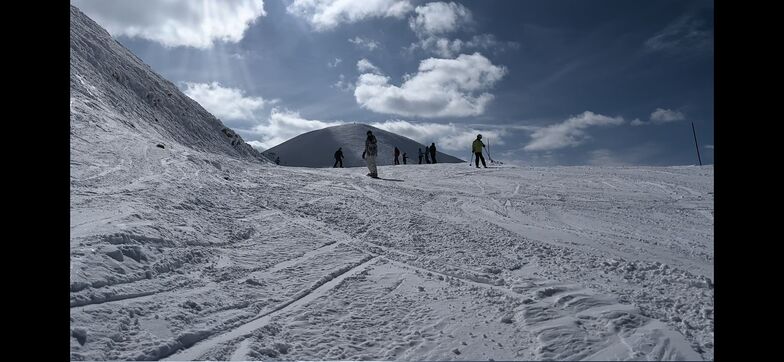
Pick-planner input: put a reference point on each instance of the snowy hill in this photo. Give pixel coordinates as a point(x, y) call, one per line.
point(317, 148)
point(198, 251)
point(111, 86)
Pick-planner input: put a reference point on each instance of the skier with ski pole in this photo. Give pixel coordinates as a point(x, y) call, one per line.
point(476, 147)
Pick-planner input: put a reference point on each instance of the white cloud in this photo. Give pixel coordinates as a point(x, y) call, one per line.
point(228, 104)
point(660, 116)
point(364, 66)
point(334, 63)
point(283, 125)
point(327, 14)
point(448, 137)
point(569, 133)
point(448, 48)
point(343, 85)
point(176, 22)
point(439, 18)
point(665, 115)
point(488, 41)
point(686, 33)
point(257, 145)
point(441, 88)
point(433, 21)
point(364, 43)
point(442, 47)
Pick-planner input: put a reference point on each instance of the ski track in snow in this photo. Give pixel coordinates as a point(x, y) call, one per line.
point(244, 330)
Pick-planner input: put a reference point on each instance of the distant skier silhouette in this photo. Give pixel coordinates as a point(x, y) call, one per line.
point(476, 147)
point(427, 154)
point(277, 160)
point(397, 154)
point(338, 158)
point(371, 150)
point(404, 158)
point(420, 155)
point(433, 152)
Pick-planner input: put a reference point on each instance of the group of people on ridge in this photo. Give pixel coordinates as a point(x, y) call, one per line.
point(371, 151)
point(429, 151)
point(397, 153)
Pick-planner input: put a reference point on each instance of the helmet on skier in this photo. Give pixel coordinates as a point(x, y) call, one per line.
point(479, 136)
point(368, 132)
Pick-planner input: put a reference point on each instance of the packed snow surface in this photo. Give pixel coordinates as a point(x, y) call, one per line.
point(185, 255)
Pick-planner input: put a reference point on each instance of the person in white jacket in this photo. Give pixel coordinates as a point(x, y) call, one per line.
point(371, 151)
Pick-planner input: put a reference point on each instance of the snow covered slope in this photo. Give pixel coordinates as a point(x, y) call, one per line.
point(199, 251)
point(317, 148)
point(451, 263)
point(111, 86)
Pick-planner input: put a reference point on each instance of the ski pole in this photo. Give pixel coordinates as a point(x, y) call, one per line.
point(488, 151)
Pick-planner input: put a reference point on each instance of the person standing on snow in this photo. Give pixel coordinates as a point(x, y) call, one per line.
point(420, 155)
point(338, 158)
point(404, 158)
point(397, 154)
point(433, 152)
point(476, 147)
point(371, 150)
point(427, 154)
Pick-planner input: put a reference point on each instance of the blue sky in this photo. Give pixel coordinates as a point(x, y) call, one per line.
point(557, 82)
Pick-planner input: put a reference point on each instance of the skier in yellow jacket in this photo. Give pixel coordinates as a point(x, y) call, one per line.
point(476, 147)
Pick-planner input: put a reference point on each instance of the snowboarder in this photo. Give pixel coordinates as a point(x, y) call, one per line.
point(371, 150)
point(338, 158)
point(277, 160)
point(476, 147)
point(404, 158)
point(420, 155)
point(433, 152)
point(397, 154)
point(427, 154)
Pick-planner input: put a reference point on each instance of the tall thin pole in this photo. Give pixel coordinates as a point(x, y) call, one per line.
point(695, 143)
point(488, 151)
